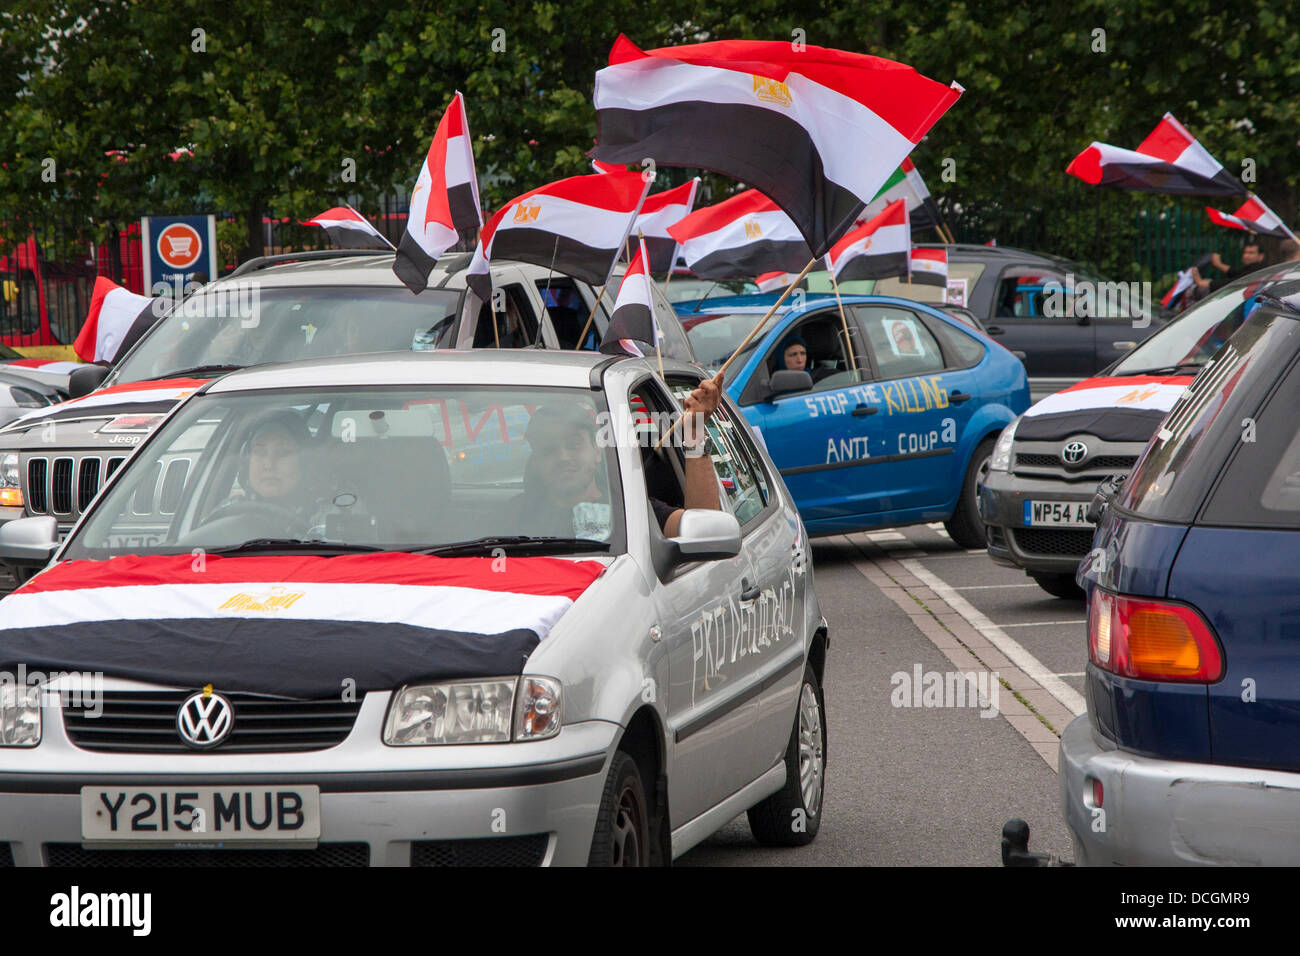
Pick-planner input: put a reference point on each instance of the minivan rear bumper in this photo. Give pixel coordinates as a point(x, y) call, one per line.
point(1173, 813)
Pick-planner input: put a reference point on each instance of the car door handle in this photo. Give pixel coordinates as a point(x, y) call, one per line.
point(956, 398)
point(862, 410)
point(995, 330)
point(750, 592)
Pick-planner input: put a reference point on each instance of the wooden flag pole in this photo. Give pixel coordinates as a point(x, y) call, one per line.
point(848, 339)
point(717, 378)
point(590, 318)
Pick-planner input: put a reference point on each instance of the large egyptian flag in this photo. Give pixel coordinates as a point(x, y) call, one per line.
point(117, 317)
point(817, 130)
point(658, 212)
point(930, 266)
point(575, 226)
point(444, 202)
point(745, 235)
point(633, 318)
point(348, 229)
point(296, 625)
point(877, 249)
point(1170, 160)
point(1253, 216)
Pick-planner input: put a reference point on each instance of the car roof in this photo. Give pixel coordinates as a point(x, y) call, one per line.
point(523, 367)
point(349, 268)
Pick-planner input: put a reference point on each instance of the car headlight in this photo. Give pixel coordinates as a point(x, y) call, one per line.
point(537, 710)
point(11, 495)
point(1001, 458)
point(459, 712)
point(20, 715)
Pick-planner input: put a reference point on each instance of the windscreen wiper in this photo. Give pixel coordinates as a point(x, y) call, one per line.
point(297, 545)
point(204, 370)
point(517, 542)
point(1167, 369)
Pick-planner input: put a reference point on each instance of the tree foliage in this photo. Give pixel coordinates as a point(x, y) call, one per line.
point(280, 95)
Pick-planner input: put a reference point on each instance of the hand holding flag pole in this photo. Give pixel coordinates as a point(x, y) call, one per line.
point(717, 378)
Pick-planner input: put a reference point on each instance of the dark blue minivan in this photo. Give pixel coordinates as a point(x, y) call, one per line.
point(1190, 750)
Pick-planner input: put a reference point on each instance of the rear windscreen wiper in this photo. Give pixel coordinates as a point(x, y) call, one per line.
point(518, 542)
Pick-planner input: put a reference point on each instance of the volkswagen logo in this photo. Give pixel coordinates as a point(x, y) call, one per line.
point(1074, 452)
point(205, 719)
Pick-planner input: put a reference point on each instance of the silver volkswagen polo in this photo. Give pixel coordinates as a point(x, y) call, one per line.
point(416, 609)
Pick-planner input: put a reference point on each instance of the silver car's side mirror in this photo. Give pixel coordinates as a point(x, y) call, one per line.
point(29, 541)
point(707, 535)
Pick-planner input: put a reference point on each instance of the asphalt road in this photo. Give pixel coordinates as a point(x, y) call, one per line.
point(924, 785)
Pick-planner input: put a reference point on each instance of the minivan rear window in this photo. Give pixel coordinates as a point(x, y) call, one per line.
point(1169, 481)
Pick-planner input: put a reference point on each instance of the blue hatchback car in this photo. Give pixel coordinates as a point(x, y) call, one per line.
point(1190, 750)
point(893, 417)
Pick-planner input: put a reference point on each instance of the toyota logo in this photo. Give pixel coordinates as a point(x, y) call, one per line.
point(1074, 452)
point(205, 719)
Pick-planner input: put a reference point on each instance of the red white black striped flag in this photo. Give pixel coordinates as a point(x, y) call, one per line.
point(658, 212)
point(745, 235)
point(774, 281)
point(116, 316)
point(876, 250)
point(633, 318)
point(817, 130)
point(930, 266)
point(1170, 160)
point(348, 229)
point(576, 226)
point(444, 202)
point(1253, 216)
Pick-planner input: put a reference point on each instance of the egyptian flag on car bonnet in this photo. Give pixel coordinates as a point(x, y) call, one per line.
point(117, 317)
point(348, 229)
point(877, 250)
point(745, 235)
point(930, 267)
point(633, 318)
point(817, 130)
point(1170, 160)
point(444, 202)
point(1253, 216)
point(575, 226)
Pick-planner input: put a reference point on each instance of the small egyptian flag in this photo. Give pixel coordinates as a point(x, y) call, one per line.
point(818, 130)
point(1175, 293)
point(930, 266)
point(444, 202)
point(877, 249)
point(745, 235)
point(348, 229)
point(117, 317)
point(774, 281)
point(575, 226)
point(1169, 161)
point(1253, 216)
point(633, 319)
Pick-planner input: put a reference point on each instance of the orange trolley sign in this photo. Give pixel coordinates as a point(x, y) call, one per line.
point(176, 248)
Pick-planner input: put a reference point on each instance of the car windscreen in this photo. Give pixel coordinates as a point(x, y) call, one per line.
point(1191, 339)
point(242, 324)
point(1169, 481)
point(715, 337)
point(364, 468)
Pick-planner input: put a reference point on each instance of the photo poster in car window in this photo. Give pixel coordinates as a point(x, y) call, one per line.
point(956, 294)
point(904, 341)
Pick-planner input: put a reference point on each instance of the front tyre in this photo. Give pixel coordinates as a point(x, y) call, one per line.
point(966, 527)
point(622, 836)
point(793, 815)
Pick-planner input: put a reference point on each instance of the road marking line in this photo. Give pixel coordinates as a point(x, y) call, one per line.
point(985, 587)
point(1069, 698)
point(1044, 623)
point(887, 536)
point(1071, 674)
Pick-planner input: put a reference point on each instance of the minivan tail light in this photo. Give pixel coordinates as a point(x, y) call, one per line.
point(1152, 640)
